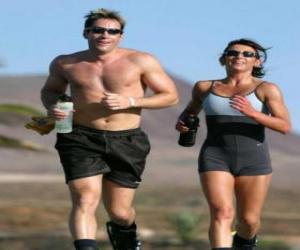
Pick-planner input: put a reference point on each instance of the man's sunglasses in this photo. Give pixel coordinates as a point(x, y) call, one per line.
point(235, 53)
point(101, 30)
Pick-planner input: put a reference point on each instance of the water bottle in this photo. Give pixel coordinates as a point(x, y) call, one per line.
point(188, 139)
point(65, 125)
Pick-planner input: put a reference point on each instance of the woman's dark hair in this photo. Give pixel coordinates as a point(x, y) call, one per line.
point(261, 53)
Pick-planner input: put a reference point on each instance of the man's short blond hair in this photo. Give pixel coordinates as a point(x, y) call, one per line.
point(96, 14)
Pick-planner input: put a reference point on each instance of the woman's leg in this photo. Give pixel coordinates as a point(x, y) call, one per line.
point(251, 192)
point(218, 187)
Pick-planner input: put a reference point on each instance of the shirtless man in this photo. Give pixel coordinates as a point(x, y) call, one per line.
point(104, 156)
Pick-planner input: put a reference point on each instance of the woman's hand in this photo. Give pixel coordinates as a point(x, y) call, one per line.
point(180, 126)
point(242, 104)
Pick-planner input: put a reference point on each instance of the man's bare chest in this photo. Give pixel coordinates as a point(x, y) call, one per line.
point(105, 77)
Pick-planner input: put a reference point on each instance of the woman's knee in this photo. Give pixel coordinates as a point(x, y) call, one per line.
point(250, 221)
point(222, 213)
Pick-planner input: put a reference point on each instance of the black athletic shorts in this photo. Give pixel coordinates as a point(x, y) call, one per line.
point(119, 155)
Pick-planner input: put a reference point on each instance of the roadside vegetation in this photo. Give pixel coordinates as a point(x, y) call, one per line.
point(10, 109)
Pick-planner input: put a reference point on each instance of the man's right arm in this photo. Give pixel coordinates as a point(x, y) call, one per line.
point(55, 85)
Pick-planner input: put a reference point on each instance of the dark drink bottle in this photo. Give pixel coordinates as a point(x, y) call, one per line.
point(188, 139)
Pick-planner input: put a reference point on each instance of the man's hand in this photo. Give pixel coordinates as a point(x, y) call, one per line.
point(56, 114)
point(117, 102)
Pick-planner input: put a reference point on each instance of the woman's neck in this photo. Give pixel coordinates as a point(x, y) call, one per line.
point(237, 79)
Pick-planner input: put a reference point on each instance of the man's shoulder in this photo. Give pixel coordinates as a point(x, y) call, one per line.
point(137, 54)
point(69, 58)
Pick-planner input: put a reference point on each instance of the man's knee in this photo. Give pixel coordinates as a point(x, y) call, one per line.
point(86, 202)
point(122, 216)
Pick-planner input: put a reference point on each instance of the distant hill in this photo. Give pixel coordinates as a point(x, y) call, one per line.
point(159, 124)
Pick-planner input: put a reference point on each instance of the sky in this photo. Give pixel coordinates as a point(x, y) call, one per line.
point(187, 37)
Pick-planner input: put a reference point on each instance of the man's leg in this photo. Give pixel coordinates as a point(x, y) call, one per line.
point(85, 194)
point(121, 229)
point(218, 187)
point(251, 192)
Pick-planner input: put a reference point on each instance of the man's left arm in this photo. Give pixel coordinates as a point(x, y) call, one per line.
point(155, 78)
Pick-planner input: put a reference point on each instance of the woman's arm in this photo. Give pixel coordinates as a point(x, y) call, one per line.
point(194, 107)
point(278, 119)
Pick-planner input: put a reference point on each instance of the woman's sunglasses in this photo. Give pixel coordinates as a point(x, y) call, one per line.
point(235, 53)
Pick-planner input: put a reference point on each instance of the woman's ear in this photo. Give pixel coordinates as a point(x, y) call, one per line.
point(84, 33)
point(258, 63)
point(222, 60)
